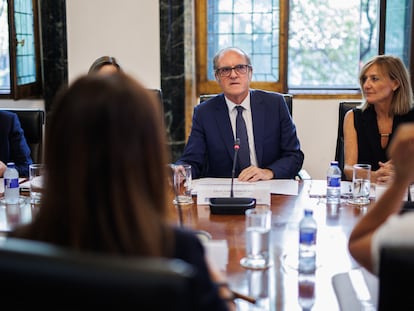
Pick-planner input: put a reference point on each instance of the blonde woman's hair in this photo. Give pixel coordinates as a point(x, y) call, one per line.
point(402, 101)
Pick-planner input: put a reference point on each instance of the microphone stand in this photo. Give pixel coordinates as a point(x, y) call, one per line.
point(232, 205)
point(233, 171)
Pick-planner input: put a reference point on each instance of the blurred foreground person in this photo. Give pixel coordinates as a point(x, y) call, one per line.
point(383, 225)
point(106, 182)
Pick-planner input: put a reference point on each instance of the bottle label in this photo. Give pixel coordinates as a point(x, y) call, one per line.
point(11, 183)
point(334, 181)
point(307, 236)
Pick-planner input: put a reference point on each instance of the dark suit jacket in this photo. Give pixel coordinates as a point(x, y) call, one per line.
point(210, 150)
point(13, 145)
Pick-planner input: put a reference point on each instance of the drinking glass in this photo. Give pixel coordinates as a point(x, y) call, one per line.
point(361, 184)
point(36, 172)
point(182, 184)
point(258, 225)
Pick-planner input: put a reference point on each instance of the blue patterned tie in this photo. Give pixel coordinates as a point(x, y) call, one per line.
point(241, 133)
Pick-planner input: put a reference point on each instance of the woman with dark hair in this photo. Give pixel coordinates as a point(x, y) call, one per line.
point(106, 185)
point(105, 65)
point(369, 129)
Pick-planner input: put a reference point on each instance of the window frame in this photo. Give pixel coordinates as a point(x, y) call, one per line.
point(30, 90)
point(205, 86)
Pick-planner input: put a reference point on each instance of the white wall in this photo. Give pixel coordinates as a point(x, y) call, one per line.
point(125, 29)
point(317, 125)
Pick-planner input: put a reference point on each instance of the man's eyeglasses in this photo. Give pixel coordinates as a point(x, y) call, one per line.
point(226, 71)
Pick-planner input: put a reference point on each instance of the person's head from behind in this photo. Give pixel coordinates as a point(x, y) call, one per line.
point(385, 77)
point(106, 164)
point(105, 65)
point(233, 72)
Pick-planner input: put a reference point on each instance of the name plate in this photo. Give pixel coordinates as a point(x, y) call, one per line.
point(261, 192)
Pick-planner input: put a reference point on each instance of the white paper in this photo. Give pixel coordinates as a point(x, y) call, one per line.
point(318, 189)
point(380, 189)
point(260, 192)
point(217, 253)
point(276, 186)
point(282, 186)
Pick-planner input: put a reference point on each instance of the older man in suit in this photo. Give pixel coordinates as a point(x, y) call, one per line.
point(272, 146)
point(13, 145)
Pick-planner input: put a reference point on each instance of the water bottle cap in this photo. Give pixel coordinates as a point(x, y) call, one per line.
point(10, 164)
point(308, 212)
point(334, 163)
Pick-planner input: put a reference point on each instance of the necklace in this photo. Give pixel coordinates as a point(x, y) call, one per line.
point(385, 135)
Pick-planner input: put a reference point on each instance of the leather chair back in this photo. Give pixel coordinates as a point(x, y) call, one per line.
point(339, 152)
point(396, 275)
point(32, 121)
point(39, 275)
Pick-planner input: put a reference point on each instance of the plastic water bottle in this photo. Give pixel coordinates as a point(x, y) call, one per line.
point(11, 184)
point(307, 243)
point(333, 184)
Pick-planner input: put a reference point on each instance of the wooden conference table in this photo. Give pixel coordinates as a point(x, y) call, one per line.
point(277, 288)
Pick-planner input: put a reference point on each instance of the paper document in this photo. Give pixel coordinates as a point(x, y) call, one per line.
point(318, 189)
point(206, 188)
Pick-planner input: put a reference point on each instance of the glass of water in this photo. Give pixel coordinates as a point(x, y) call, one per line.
point(258, 225)
point(36, 173)
point(361, 184)
point(182, 180)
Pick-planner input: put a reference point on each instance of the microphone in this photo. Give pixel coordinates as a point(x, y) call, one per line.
point(233, 171)
point(232, 205)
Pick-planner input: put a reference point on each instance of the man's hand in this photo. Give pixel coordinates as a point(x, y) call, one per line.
point(253, 173)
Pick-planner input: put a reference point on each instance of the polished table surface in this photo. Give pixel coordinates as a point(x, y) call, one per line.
point(277, 288)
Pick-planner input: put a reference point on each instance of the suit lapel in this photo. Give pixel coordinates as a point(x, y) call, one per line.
point(258, 120)
point(224, 124)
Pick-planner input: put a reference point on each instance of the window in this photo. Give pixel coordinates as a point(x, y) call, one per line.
point(302, 46)
point(254, 26)
point(328, 40)
point(398, 28)
point(19, 49)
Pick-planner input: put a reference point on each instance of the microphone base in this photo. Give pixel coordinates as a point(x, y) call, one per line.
point(231, 206)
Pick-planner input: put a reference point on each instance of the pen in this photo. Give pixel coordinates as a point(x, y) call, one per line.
point(23, 180)
point(243, 297)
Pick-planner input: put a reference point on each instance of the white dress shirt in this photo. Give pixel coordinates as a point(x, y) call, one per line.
point(247, 115)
